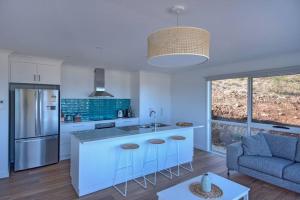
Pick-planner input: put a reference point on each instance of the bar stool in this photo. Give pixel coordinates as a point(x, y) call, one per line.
point(129, 149)
point(154, 143)
point(178, 139)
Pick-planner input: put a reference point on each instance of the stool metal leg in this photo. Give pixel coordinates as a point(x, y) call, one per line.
point(144, 184)
point(156, 159)
point(123, 193)
point(129, 164)
point(177, 159)
point(169, 175)
point(190, 169)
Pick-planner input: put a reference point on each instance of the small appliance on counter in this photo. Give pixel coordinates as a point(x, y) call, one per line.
point(120, 114)
point(77, 118)
point(128, 113)
point(62, 117)
point(68, 118)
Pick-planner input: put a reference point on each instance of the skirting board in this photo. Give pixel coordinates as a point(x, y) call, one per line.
point(4, 174)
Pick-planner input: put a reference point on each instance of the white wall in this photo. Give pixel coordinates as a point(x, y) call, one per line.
point(189, 98)
point(78, 82)
point(147, 90)
point(4, 169)
point(135, 93)
point(188, 103)
point(155, 93)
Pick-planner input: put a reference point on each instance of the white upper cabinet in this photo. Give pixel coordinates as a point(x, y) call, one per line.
point(27, 69)
point(21, 72)
point(49, 74)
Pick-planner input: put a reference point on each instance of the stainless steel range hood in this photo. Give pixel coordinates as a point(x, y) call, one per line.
point(99, 83)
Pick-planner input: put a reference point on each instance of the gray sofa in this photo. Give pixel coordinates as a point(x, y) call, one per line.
point(281, 169)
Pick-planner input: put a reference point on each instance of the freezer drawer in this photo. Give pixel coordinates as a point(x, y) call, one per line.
point(35, 152)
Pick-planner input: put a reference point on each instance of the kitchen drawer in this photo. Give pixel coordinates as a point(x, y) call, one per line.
point(67, 128)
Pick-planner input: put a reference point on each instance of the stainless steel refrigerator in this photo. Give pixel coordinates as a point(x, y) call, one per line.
point(35, 125)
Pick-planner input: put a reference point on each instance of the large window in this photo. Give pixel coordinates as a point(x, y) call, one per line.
point(276, 100)
point(245, 106)
point(229, 112)
point(229, 99)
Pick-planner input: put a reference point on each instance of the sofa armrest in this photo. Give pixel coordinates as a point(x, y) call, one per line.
point(234, 151)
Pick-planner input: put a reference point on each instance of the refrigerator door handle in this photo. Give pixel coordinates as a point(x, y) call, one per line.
point(41, 113)
point(36, 139)
point(37, 132)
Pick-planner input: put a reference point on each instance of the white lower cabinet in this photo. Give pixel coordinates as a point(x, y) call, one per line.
point(65, 137)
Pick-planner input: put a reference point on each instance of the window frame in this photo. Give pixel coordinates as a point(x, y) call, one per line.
point(249, 123)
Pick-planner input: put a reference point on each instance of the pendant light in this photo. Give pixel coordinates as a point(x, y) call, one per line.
point(178, 46)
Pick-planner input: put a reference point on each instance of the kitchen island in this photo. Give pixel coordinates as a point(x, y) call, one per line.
point(94, 154)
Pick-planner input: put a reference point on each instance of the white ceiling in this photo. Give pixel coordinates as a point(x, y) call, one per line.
point(113, 33)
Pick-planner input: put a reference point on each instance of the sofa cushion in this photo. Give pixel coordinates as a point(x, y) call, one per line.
point(282, 146)
point(298, 152)
point(270, 165)
point(256, 146)
point(292, 173)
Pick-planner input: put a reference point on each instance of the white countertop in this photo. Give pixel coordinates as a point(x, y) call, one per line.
point(95, 122)
point(101, 134)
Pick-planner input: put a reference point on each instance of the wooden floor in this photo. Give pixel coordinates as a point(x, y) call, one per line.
point(53, 183)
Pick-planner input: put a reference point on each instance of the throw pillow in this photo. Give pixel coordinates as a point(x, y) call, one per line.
point(256, 146)
point(282, 146)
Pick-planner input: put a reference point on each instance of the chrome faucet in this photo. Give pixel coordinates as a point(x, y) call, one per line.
point(153, 113)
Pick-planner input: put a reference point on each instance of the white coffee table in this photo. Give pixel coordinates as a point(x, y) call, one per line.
point(231, 190)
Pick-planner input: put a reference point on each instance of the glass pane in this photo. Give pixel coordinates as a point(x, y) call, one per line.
point(255, 131)
point(276, 100)
point(229, 99)
point(224, 134)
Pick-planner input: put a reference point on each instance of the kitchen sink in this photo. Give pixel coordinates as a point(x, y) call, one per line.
point(146, 126)
point(152, 125)
point(159, 125)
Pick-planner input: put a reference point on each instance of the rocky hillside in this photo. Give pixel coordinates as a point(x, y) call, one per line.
point(275, 99)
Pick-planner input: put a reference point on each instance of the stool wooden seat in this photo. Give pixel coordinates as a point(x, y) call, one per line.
point(177, 137)
point(130, 146)
point(156, 141)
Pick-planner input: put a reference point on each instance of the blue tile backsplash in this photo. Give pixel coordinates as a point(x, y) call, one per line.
point(94, 109)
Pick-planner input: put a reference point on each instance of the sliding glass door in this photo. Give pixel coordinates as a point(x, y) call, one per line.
point(228, 112)
point(245, 106)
